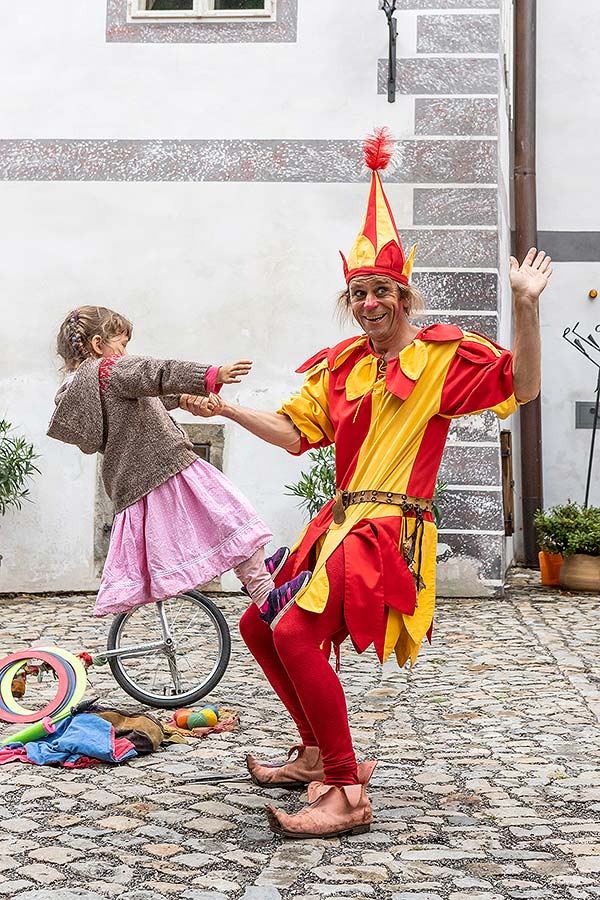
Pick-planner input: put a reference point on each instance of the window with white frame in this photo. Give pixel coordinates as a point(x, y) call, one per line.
point(201, 10)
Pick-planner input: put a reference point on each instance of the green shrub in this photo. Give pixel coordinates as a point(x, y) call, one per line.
point(16, 466)
point(569, 529)
point(317, 486)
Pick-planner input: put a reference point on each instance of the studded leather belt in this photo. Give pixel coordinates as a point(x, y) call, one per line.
point(344, 499)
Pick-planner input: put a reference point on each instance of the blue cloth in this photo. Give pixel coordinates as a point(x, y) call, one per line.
point(77, 736)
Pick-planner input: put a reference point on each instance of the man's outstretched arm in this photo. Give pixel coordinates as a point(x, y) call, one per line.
point(274, 428)
point(527, 281)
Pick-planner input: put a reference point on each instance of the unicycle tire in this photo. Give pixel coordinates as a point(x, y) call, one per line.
point(204, 654)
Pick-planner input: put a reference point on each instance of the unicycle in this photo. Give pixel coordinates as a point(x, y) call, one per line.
point(170, 653)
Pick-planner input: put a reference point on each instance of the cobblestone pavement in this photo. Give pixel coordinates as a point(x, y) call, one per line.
point(488, 785)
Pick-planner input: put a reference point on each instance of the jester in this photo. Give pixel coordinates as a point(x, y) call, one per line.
point(385, 398)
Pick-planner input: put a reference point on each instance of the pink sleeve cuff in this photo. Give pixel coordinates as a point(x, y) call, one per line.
point(211, 380)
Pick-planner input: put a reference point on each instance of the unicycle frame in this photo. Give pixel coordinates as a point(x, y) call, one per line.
point(143, 649)
point(167, 647)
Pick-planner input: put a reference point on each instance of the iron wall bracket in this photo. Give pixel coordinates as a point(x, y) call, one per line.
point(389, 8)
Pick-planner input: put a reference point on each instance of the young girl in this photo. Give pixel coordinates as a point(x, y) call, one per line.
point(179, 521)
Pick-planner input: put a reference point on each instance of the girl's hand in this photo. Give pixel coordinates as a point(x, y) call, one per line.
point(215, 405)
point(205, 407)
point(234, 372)
point(197, 406)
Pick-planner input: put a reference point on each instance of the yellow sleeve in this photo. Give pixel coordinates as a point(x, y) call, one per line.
point(309, 410)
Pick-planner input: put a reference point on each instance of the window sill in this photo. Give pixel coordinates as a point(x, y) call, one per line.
point(214, 28)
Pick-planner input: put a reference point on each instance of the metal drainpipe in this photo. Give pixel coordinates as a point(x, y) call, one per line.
point(526, 237)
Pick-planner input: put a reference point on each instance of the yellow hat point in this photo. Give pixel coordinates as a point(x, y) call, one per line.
point(410, 260)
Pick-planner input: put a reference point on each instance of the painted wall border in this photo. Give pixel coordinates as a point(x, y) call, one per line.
point(571, 246)
point(325, 161)
point(284, 30)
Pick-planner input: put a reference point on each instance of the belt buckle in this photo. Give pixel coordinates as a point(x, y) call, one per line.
point(340, 506)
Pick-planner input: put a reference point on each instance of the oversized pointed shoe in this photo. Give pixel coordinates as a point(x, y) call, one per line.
point(336, 812)
point(365, 773)
point(306, 766)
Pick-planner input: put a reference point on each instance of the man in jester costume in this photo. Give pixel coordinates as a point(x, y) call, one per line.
point(386, 399)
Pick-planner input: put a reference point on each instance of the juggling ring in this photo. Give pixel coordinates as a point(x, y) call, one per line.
point(72, 682)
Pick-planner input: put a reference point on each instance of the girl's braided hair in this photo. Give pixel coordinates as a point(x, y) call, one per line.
point(73, 342)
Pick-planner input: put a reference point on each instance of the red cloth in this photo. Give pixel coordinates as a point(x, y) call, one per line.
point(121, 747)
point(367, 585)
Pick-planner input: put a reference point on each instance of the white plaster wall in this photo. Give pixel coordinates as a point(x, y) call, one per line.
point(568, 115)
point(182, 260)
point(513, 545)
point(71, 83)
point(567, 377)
point(206, 271)
point(568, 200)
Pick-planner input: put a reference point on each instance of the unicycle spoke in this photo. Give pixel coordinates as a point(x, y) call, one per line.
point(175, 674)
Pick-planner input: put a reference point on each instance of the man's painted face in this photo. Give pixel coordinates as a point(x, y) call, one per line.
point(376, 306)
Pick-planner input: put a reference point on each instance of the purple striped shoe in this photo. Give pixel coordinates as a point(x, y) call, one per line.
point(281, 599)
point(273, 564)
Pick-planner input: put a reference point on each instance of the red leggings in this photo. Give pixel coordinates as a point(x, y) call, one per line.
point(299, 672)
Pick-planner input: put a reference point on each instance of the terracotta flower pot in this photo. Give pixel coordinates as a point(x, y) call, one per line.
point(581, 572)
point(550, 566)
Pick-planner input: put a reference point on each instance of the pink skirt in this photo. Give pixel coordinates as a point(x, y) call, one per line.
point(184, 533)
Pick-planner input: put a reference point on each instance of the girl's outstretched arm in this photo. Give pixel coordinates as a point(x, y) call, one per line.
point(274, 428)
point(170, 401)
point(140, 376)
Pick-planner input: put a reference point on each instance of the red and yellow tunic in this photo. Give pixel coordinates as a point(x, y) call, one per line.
point(389, 422)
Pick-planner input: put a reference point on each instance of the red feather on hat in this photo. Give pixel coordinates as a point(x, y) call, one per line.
point(378, 149)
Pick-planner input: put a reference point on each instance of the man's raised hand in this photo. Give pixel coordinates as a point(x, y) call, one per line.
point(529, 279)
point(234, 372)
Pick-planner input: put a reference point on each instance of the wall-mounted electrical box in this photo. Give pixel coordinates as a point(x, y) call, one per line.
point(584, 414)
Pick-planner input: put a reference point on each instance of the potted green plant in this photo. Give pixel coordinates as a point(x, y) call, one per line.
point(552, 527)
point(572, 531)
point(16, 466)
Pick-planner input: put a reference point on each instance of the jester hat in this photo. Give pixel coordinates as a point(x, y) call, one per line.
point(378, 249)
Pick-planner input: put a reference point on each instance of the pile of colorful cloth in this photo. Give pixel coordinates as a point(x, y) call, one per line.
point(104, 736)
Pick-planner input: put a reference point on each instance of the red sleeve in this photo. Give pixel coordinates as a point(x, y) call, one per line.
point(317, 358)
point(211, 380)
point(480, 377)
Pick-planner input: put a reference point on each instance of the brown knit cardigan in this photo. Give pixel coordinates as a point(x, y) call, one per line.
point(118, 407)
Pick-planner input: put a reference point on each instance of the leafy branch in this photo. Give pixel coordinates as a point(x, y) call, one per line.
point(316, 486)
point(16, 466)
